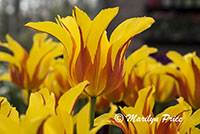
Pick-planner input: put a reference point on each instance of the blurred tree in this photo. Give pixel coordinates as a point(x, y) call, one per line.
point(15, 13)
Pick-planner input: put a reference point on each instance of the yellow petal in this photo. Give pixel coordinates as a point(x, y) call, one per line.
point(45, 63)
point(8, 126)
point(99, 25)
point(53, 126)
point(178, 60)
point(176, 110)
point(193, 121)
point(105, 45)
point(19, 52)
point(7, 110)
point(38, 42)
point(59, 124)
point(66, 119)
point(83, 120)
point(143, 107)
point(37, 53)
point(144, 104)
point(193, 130)
point(6, 45)
point(55, 30)
point(25, 95)
point(140, 127)
point(137, 56)
point(127, 30)
point(10, 59)
point(134, 126)
point(71, 26)
point(186, 68)
point(9, 118)
point(40, 54)
point(104, 119)
point(68, 100)
point(41, 106)
point(83, 22)
point(5, 77)
point(196, 61)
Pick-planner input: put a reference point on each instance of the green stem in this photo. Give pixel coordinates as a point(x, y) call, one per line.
point(29, 95)
point(92, 111)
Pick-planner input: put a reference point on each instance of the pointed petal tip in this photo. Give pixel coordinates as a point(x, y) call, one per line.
point(30, 24)
point(27, 24)
point(114, 9)
point(8, 37)
point(76, 9)
point(86, 83)
point(171, 53)
point(150, 19)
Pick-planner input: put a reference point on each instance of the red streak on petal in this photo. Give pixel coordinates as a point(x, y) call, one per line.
point(1, 103)
point(197, 85)
point(44, 101)
point(9, 112)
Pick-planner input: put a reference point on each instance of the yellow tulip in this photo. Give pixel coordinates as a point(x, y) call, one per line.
point(28, 71)
point(63, 122)
point(144, 106)
point(56, 80)
point(133, 82)
point(136, 79)
point(177, 119)
point(41, 108)
point(146, 73)
point(183, 121)
point(188, 76)
point(8, 111)
point(89, 55)
point(142, 74)
point(166, 86)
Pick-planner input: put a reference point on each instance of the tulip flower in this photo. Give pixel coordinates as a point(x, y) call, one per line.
point(143, 107)
point(136, 79)
point(56, 80)
point(28, 71)
point(89, 55)
point(146, 73)
point(177, 119)
point(63, 122)
point(143, 73)
point(188, 76)
point(166, 86)
point(132, 82)
point(182, 121)
point(41, 107)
